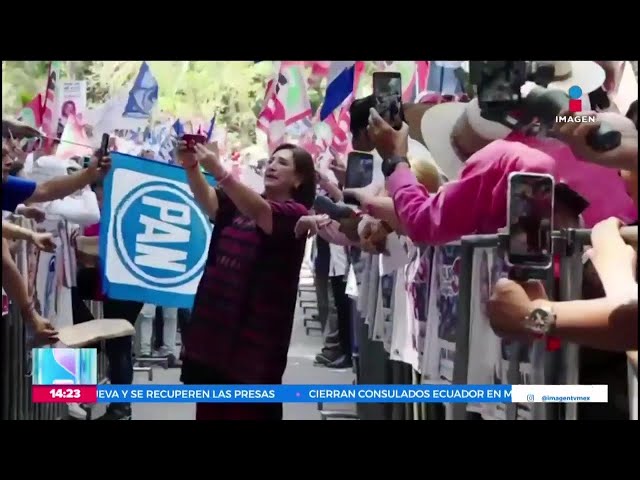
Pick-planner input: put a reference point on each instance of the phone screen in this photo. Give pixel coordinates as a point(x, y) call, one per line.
point(359, 170)
point(530, 220)
point(387, 90)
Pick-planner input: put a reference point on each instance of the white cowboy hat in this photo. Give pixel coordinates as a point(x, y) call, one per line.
point(437, 124)
point(589, 76)
point(627, 89)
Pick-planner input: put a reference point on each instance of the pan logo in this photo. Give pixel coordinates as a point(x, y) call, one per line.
point(153, 228)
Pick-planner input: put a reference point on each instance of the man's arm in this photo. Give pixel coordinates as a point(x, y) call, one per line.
point(15, 232)
point(12, 281)
point(600, 323)
point(62, 186)
point(463, 206)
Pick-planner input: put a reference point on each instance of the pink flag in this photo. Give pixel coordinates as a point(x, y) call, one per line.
point(74, 140)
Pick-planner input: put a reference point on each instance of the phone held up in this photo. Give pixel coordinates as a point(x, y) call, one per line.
point(104, 145)
point(530, 222)
point(359, 173)
point(192, 139)
point(387, 91)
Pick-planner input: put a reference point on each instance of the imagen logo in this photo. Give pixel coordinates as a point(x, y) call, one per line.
point(575, 106)
point(65, 366)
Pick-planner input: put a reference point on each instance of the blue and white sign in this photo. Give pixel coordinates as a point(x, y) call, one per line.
point(154, 238)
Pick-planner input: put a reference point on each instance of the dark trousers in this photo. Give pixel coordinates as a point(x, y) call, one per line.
point(119, 351)
point(343, 310)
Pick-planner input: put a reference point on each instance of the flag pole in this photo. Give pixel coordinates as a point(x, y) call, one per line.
point(44, 104)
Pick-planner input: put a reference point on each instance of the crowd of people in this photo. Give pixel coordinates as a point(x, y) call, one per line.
point(433, 190)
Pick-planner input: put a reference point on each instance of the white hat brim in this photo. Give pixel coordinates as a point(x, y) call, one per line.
point(589, 76)
point(436, 126)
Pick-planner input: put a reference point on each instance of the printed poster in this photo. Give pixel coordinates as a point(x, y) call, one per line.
point(402, 348)
point(484, 344)
point(72, 100)
point(507, 350)
point(387, 285)
point(373, 305)
point(443, 313)
point(418, 279)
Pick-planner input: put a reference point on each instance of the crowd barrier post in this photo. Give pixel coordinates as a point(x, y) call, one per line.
point(571, 289)
point(468, 244)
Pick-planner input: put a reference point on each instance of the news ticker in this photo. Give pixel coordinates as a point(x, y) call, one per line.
point(320, 393)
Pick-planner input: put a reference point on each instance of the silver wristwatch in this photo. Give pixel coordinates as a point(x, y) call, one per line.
point(541, 320)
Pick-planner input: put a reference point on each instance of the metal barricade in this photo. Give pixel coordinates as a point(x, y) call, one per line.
point(562, 369)
point(16, 375)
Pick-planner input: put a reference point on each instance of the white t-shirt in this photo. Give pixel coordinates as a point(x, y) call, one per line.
point(402, 347)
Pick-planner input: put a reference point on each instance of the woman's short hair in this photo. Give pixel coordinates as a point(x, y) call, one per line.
point(303, 164)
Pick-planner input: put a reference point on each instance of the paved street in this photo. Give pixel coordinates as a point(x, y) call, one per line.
point(300, 369)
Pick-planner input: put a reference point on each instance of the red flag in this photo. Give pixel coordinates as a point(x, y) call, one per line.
point(50, 113)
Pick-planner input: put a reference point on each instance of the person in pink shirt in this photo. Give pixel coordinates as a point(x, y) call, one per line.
point(476, 202)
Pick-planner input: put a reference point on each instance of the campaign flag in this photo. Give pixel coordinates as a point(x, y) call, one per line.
point(50, 114)
point(143, 95)
point(343, 76)
point(155, 238)
point(31, 113)
point(212, 126)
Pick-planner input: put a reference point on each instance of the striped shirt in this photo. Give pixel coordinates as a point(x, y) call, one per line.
point(244, 307)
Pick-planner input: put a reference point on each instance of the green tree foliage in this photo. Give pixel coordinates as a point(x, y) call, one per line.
point(234, 91)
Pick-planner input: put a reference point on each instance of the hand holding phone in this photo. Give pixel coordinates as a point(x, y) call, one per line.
point(387, 92)
point(103, 151)
point(192, 139)
point(530, 220)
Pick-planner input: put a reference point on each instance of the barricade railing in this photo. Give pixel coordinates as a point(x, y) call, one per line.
point(560, 367)
point(557, 370)
point(15, 356)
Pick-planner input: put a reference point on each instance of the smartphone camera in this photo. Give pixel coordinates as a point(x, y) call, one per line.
point(359, 170)
point(530, 221)
point(387, 91)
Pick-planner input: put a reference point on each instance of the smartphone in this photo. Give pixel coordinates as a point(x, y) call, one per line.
point(530, 220)
point(192, 139)
point(359, 170)
point(104, 145)
point(387, 91)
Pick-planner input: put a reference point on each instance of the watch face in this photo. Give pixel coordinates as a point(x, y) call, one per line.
point(539, 320)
